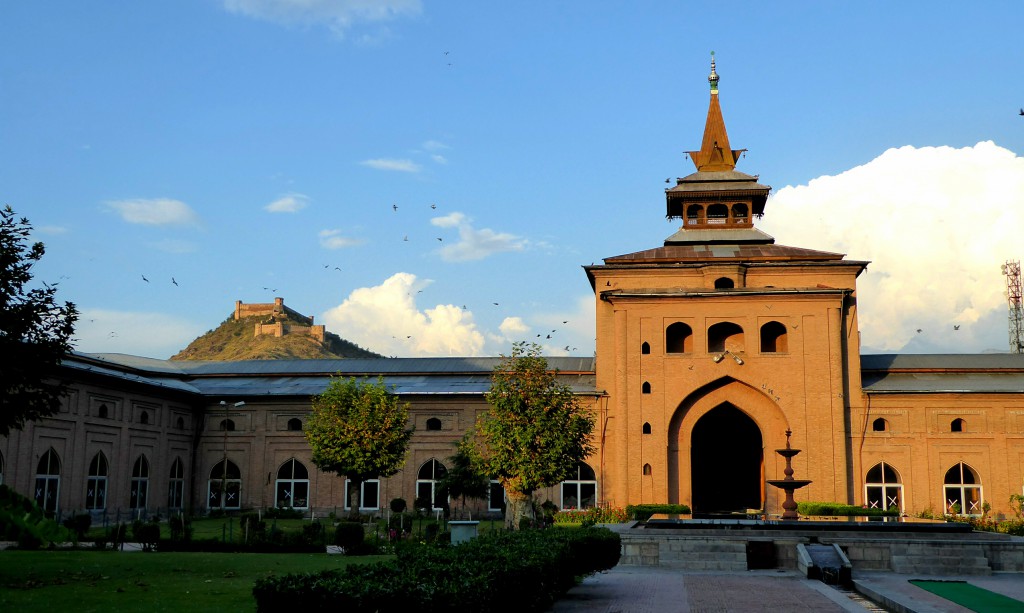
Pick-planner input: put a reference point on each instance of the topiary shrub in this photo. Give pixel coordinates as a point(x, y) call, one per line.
point(147, 533)
point(79, 524)
point(349, 536)
point(398, 505)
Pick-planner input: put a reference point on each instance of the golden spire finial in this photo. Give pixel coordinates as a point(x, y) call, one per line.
point(713, 77)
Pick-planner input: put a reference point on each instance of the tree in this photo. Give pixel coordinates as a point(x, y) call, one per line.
point(535, 432)
point(357, 430)
point(465, 478)
point(35, 331)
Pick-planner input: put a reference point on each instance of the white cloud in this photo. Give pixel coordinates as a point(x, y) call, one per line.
point(332, 239)
point(937, 223)
point(386, 319)
point(512, 326)
point(392, 164)
point(475, 244)
point(289, 203)
point(155, 335)
point(51, 230)
point(339, 15)
point(439, 159)
point(435, 145)
point(154, 212)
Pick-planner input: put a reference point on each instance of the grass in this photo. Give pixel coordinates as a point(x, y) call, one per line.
point(971, 596)
point(85, 581)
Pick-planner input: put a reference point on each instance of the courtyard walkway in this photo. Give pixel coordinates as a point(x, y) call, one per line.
point(633, 589)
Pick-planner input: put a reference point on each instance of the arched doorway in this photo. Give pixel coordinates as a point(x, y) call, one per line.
point(727, 462)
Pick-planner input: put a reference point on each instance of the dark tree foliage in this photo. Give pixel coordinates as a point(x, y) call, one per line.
point(35, 330)
point(465, 478)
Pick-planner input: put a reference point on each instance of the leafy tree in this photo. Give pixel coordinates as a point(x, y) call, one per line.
point(35, 331)
point(465, 478)
point(357, 429)
point(535, 432)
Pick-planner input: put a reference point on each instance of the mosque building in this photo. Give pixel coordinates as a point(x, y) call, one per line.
point(710, 347)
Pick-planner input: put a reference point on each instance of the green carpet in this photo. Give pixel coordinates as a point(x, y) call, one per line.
point(970, 596)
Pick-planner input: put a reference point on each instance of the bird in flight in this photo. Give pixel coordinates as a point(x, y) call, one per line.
point(145, 279)
point(394, 207)
point(956, 326)
point(919, 330)
point(433, 206)
point(1022, 112)
point(406, 239)
point(439, 239)
point(173, 281)
point(273, 289)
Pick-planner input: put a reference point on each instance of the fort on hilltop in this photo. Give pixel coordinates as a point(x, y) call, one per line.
point(276, 326)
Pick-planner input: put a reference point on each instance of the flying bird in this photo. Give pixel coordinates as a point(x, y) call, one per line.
point(1022, 112)
point(406, 239)
point(394, 207)
point(956, 326)
point(173, 281)
point(433, 206)
point(145, 279)
point(439, 238)
point(919, 330)
point(495, 304)
point(273, 289)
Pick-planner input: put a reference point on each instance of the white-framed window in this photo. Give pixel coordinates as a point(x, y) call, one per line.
point(369, 495)
point(883, 488)
point(96, 483)
point(961, 490)
point(496, 497)
point(580, 490)
point(176, 485)
point(139, 493)
point(225, 477)
point(292, 486)
point(426, 483)
point(48, 481)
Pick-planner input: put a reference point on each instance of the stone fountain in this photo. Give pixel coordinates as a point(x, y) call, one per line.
point(789, 484)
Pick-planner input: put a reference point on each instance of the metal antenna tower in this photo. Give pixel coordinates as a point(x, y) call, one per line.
point(1011, 270)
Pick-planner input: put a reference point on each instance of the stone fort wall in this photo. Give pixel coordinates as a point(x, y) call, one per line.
point(277, 328)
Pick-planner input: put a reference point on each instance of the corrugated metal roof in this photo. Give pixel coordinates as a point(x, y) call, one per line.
point(936, 373)
point(944, 361)
point(740, 251)
point(173, 383)
point(724, 235)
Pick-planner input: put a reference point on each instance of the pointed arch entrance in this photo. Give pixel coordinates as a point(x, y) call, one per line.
point(727, 462)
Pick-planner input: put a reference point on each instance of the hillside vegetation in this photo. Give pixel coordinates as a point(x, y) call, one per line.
point(234, 340)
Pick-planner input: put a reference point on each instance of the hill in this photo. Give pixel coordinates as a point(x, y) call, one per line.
point(234, 339)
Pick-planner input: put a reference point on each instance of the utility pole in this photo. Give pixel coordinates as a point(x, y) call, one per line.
point(1011, 270)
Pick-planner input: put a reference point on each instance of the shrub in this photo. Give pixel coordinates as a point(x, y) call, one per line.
point(283, 513)
point(181, 528)
point(398, 505)
point(499, 571)
point(313, 533)
point(643, 512)
point(147, 533)
point(23, 521)
point(349, 536)
point(79, 524)
point(838, 509)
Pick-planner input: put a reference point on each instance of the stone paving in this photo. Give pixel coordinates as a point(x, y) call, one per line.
point(634, 589)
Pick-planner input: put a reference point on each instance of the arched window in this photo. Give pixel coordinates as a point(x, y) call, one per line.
point(433, 424)
point(48, 481)
point(694, 212)
point(96, 483)
point(725, 336)
point(180, 424)
point(176, 485)
point(369, 495)
point(774, 338)
point(962, 490)
point(139, 493)
point(225, 477)
point(227, 424)
point(882, 488)
point(958, 425)
point(647, 427)
point(678, 338)
point(647, 470)
point(879, 425)
point(102, 411)
point(144, 418)
point(496, 497)
point(724, 283)
point(295, 424)
point(645, 348)
point(740, 213)
point(426, 483)
point(292, 486)
point(645, 388)
point(718, 213)
point(580, 490)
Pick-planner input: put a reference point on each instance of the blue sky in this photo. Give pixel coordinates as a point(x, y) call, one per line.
point(253, 148)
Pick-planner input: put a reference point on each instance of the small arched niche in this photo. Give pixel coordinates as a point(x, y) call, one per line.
point(724, 283)
point(678, 338)
point(880, 425)
point(774, 338)
point(433, 424)
point(958, 425)
point(647, 470)
point(645, 348)
point(645, 388)
point(295, 424)
point(725, 336)
point(647, 427)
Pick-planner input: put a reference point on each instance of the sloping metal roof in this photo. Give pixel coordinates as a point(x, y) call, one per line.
point(724, 235)
point(937, 373)
point(694, 252)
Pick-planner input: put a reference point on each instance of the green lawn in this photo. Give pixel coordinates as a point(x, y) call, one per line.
point(85, 581)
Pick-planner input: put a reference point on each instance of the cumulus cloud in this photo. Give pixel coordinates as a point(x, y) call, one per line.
point(332, 239)
point(936, 223)
point(399, 165)
point(386, 319)
point(154, 212)
point(51, 230)
point(559, 333)
point(154, 335)
point(439, 159)
point(474, 244)
point(339, 15)
point(289, 203)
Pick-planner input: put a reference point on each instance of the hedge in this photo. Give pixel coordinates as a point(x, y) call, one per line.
point(498, 571)
point(837, 509)
point(643, 512)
